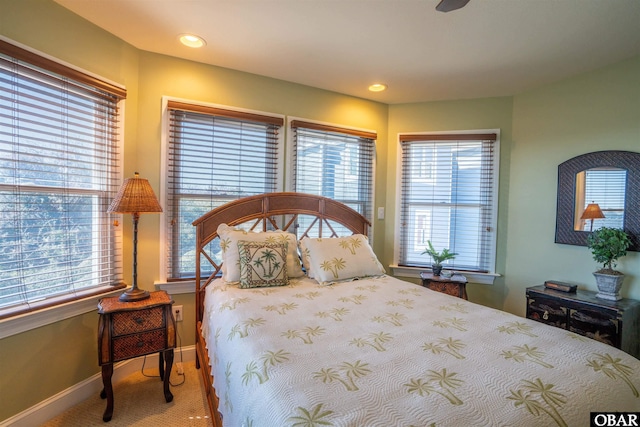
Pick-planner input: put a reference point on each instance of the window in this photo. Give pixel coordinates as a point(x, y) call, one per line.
point(452, 203)
point(334, 162)
point(58, 175)
point(605, 186)
point(215, 155)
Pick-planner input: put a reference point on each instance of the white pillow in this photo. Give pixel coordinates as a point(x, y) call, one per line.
point(340, 258)
point(229, 238)
point(304, 254)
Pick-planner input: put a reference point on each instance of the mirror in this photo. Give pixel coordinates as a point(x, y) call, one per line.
point(610, 179)
point(600, 196)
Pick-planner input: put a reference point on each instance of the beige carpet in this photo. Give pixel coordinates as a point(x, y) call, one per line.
point(139, 402)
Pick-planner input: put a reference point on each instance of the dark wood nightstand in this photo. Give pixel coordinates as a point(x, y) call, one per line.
point(616, 323)
point(131, 329)
point(455, 285)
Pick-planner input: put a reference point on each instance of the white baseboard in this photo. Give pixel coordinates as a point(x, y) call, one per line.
point(60, 402)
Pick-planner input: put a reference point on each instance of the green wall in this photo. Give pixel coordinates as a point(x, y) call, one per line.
point(591, 112)
point(539, 130)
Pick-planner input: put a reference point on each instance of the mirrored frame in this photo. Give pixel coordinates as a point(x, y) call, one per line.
point(565, 212)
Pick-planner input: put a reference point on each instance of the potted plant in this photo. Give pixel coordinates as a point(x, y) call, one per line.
point(607, 245)
point(438, 257)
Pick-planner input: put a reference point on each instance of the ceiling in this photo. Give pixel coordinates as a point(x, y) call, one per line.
point(488, 48)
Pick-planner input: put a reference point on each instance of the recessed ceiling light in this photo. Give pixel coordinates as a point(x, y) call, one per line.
point(192, 40)
point(377, 87)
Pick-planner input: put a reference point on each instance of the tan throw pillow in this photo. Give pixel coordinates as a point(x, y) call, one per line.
point(229, 238)
point(262, 264)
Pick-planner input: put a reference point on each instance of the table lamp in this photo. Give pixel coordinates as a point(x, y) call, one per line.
point(592, 211)
point(135, 197)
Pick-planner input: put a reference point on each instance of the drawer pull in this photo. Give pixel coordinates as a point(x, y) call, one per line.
point(139, 320)
point(140, 344)
point(545, 316)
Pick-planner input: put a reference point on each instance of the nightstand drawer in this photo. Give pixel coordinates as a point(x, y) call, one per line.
point(454, 285)
point(130, 322)
point(547, 311)
point(601, 326)
point(138, 344)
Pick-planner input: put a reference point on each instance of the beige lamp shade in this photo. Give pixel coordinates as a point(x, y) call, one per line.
point(135, 196)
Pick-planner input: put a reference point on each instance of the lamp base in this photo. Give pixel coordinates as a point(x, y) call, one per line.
point(134, 294)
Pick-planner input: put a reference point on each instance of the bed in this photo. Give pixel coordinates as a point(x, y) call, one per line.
point(352, 346)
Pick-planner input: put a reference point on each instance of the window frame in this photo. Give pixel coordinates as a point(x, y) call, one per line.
point(187, 284)
point(414, 271)
point(336, 128)
point(59, 307)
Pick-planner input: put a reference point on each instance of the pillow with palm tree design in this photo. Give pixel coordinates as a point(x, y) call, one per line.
point(262, 264)
point(230, 236)
point(340, 258)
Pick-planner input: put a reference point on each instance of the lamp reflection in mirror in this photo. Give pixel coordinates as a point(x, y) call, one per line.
point(135, 197)
point(592, 211)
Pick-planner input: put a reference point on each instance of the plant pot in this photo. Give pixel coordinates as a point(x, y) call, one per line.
point(609, 286)
point(436, 269)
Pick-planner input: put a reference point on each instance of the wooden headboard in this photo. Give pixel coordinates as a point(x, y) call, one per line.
point(271, 211)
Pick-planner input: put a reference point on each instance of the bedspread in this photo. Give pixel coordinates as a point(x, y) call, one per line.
point(384, 352)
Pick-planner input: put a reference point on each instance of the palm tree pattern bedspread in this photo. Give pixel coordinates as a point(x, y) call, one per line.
point(384, 352)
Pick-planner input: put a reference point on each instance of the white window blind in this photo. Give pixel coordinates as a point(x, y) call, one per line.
point(448, 195)
point(215, 156)
point(334, 162)
point(58, 174)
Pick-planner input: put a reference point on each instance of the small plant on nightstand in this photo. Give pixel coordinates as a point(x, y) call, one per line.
point(438, 257)
point(607, 245)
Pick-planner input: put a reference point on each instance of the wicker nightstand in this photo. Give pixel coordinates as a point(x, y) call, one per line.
point(131, 329)
point(455, 285)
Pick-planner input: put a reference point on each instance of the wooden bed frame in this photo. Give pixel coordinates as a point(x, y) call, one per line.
point(271, 211)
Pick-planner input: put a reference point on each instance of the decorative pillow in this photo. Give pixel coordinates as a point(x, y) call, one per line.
point(340, 258)
point(229, 238)
point(262, 264)
point(304, 254)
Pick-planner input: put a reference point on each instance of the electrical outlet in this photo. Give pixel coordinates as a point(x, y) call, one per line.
point(177, 313)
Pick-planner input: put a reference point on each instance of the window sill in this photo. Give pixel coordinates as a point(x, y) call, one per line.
point(414, 272)
point(178, 287)
point(35, 319)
